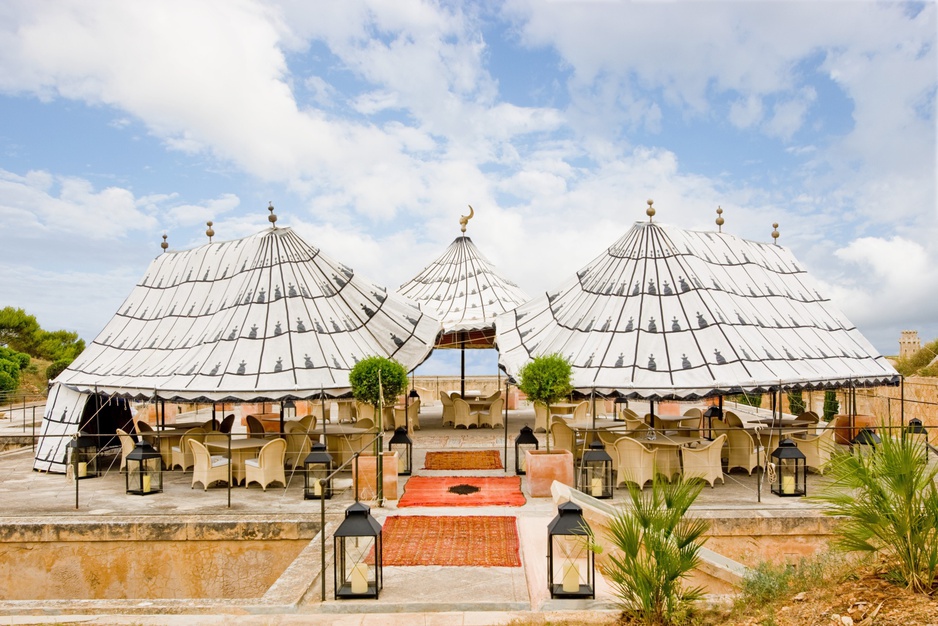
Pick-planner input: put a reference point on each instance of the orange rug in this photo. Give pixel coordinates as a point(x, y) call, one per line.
point(480, 541)
point(464, 460)
point(462, 491)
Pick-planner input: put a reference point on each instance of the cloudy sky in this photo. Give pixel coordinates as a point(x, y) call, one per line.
point(371, 125)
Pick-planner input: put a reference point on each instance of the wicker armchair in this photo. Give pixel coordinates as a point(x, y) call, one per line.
point(449, 410)
point(464, 417)
point(208, 468)
point(817, 449)
point(409, 417)
point(636, 462)
point(255, 427)
point(493, 416)
point(267, 468)
point(704, 462)
point(298, 445)
point(181, 455)
point(565, 439)
point(742, 451)
point(227, 423)
point(127, 446)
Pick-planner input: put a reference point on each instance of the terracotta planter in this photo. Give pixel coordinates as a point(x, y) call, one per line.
point(367, 472)
point(543, 468)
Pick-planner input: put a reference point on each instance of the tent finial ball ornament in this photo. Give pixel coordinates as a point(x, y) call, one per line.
point(164, 245)
point(209, 232)
point(775, 232)
point(271, 218)
point(650, 211)
point(720, 221)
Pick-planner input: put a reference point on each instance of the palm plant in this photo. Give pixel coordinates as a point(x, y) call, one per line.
point(888, 502)
point(657, 546)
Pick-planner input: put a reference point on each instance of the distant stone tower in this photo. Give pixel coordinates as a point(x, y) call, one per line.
point(909, 343)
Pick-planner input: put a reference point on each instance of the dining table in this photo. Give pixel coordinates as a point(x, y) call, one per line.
point(242, 450)
point(336, 433)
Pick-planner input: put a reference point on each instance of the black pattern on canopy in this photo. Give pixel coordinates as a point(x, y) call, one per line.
point(666, 312)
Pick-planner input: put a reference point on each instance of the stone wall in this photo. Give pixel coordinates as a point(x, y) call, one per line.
point(146, 559)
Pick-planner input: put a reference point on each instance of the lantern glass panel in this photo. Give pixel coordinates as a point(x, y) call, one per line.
point(144, 476)
point(357, 572)
point(571, 566)
point(596, 472)
point(317, 466)
point(404, 446)
point(790, 470)
point(83, 457)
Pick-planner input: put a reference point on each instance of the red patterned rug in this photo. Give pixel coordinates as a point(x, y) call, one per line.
point(464, 460)
point(462, 491)
point(480, 541)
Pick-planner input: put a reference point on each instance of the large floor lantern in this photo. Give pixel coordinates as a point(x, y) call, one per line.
point(402, 443)
point(317, 467)
point(791, 471)
point(358, 563)
point(526, 440)
point(596, 471)
point(866, 441)
point(83, 456)
point(708, 415)
point(144, 470)
point(571, 565)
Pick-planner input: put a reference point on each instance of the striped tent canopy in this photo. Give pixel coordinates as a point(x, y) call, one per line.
point(264, 317)
point(463, 290)
point(672, 313)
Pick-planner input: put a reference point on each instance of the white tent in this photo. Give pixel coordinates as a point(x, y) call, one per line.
point(465, 292)
point(267, 317)
point(666, 312)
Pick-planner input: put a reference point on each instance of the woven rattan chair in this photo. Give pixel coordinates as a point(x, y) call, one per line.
point(565, 438)
point(255, 427)
point(127, 446)
point(636, 462)
point(267, 468)
point(817, 448)
point(227, 423)
point(181, 455)
point(704, 462)
point(449, 410)
point(409, 417)
point(493, 416)
point(208, 468)
point(464, 417)
point(298, 445)
point(540, 417)
point(742, 451)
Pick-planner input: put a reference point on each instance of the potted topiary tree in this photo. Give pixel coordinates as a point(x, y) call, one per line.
point(377, 381)
point(547, 379)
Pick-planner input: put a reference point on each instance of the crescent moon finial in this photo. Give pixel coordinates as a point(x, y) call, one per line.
point(464, 219)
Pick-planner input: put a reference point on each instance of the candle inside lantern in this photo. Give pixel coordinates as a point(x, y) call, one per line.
point(596, 487)
point(82, 469)
point(359, 578)
point(317, 488)
point(571, 578)
point(788, 484)
point(146, 483)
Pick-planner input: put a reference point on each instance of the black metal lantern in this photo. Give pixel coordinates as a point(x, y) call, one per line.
point(619, 404)
point(317, 467)
point(791, 471)
point(402, 443)
point(571, 565)
point(144, 470)
point(83, 456)
point(866, 441)
point(526, 440)
point(596, 472)
point(711, 413)
point(413, 395)
point(358, 565)
point(915, 427)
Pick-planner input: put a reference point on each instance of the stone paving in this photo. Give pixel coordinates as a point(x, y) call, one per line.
point(411, 595)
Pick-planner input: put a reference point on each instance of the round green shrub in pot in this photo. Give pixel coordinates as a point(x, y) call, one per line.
point(546, 379)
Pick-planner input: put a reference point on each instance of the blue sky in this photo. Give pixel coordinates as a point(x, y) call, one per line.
point(371, 126)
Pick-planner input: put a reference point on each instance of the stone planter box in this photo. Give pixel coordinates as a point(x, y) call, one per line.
point(543, 468)
point(367, 476)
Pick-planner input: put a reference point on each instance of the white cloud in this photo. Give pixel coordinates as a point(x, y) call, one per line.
point(746, 112)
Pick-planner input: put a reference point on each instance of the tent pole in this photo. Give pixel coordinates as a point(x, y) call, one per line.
point(506, 419)
point(462, 364)
point(902, 400)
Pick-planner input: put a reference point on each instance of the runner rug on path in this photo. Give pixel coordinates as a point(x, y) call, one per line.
point(462, 491)
point(447, 540)
point(464, 460)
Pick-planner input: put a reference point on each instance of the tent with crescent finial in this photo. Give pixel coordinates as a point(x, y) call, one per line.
point(465, 292)
point(263, 318)
point(672, 313)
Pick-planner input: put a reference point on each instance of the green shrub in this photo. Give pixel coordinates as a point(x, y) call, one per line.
point(887, 500)
point(831, 405)
point(377, 381)
point(796, 404)
point(749, 399)
point(546, 379)
point(657, 546)
point(57, 368)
